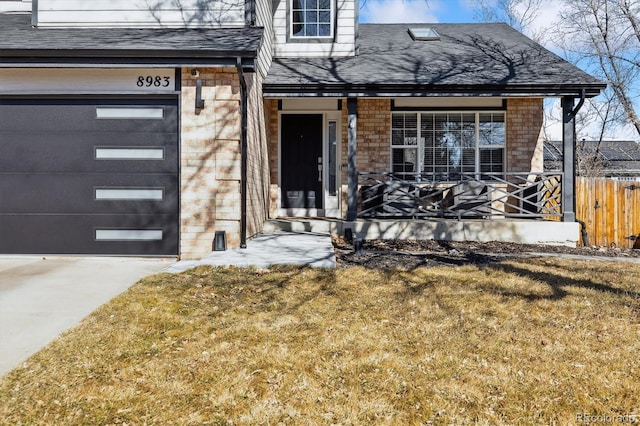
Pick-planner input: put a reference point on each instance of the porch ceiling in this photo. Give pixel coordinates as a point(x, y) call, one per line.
point(468, 60)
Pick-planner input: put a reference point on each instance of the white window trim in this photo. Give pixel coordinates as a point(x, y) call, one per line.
point(420, 145)
point(332, 20)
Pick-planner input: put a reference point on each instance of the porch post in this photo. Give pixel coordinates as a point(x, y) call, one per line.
point(569, 160)
point(352, 172)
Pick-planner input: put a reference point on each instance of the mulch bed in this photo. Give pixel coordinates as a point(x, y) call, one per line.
point(410, 254)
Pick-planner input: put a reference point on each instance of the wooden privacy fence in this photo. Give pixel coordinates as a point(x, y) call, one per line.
point(611, 210)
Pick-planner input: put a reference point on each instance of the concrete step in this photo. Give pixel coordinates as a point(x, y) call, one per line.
point(318, 226)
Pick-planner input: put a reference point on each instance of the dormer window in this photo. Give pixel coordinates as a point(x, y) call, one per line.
point(311, 18)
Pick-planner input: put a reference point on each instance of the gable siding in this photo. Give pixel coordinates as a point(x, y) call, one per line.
point(264, 18)
point(345, 34)
point(140, 13)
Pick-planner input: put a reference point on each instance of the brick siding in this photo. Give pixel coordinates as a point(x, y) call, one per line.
point(271, 113)
point(524, 135)
point(374, 134)
point(373, 138)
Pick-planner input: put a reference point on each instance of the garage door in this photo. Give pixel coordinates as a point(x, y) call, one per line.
point(89, 176)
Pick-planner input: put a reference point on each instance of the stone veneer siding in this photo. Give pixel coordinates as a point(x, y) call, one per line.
point(209, 161)
point(525, 120)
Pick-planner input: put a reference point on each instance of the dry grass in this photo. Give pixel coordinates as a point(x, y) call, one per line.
point(531, 342)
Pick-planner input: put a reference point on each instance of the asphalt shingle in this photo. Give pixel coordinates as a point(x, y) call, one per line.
point(475, 55)
point(19, 38)
point(614, 157)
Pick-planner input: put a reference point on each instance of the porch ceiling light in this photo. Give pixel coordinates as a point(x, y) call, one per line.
point(424, 34)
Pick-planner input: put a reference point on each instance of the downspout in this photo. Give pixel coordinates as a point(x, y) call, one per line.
point(34, 13)
point(583, 232)
point(243, 155)
point(583, 225)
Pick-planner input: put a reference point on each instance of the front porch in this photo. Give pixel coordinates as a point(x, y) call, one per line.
point(434, 139)
point(520, 231)
point(523, 208)
point(377, 167)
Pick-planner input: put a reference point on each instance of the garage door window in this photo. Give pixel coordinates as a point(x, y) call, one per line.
point(111, 113)
point(128, 234)
point(133, 194)
point(129, 153)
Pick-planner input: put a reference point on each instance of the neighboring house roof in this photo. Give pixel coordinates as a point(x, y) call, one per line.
point(614, 157)
point(469, 59)
point(23, 45)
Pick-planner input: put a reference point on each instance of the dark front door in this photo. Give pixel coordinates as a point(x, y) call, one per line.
point(301, 151)
point(89, 176)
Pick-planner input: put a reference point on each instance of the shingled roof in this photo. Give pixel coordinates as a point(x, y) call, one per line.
point(615, 158)
point(478, 59)
point(23, 45)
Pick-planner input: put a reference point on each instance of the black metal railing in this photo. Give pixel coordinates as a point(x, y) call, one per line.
point(460, 195)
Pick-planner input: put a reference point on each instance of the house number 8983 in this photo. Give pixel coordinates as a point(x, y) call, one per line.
point(155, 81)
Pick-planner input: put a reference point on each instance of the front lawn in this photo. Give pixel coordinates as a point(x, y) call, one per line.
point(536, 341)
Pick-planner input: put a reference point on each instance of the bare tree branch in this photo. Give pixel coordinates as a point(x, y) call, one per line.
point(519, 14)
point(595, 31)
point(631, 11)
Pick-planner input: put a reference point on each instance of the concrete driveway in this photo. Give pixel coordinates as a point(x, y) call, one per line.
point(42, 297)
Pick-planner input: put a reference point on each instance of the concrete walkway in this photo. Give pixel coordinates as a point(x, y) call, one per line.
point(42, 297)
point(276, 248)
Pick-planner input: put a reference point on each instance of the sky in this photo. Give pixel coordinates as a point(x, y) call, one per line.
point(415, 11)
point(427, 11)
point(453, 11)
